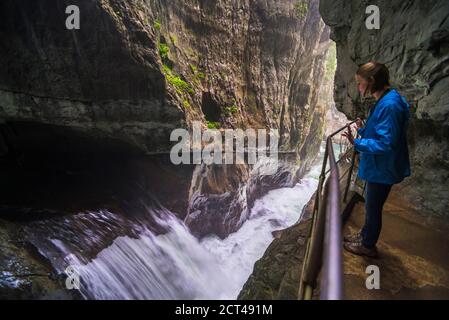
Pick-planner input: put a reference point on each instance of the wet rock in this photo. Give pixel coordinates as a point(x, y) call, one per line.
point(217, 202)
point(24, 274)
point(276, 274)
point(99, 78)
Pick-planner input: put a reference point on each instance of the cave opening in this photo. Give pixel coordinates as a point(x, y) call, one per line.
point(57, 168)
point(210, 108)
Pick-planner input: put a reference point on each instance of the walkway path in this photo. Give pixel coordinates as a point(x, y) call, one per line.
point(413, 255)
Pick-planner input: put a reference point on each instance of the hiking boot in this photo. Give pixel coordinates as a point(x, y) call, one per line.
point(359, 249)
point(355, 237)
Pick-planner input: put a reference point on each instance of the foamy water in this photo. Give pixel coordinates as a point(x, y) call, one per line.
point(178, 266)
point(277, 210)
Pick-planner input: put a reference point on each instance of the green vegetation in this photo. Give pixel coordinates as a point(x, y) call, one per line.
point(186, 104)
point(230, 110)
point(193, 68)
point(173, 39)
point(331, 62)
point(180, 85)
point(301, 8)
point(198, 75)
point(157, 25)
point(163, 51)
point(213, 125)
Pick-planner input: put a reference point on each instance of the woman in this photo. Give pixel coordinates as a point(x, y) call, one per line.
point(384, 159)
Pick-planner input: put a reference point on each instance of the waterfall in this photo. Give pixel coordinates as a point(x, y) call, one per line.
point(172, 264)
point(169, 266)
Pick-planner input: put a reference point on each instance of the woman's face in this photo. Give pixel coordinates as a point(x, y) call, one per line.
point(362, 85)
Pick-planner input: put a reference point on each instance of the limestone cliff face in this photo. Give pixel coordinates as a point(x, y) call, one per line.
point(413, 41)
point(251, 64)
point(102, 78)
point(136, 70)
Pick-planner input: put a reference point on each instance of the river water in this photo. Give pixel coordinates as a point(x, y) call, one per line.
point(175, 265)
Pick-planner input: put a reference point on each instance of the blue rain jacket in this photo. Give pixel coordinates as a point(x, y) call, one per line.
point(384, 156)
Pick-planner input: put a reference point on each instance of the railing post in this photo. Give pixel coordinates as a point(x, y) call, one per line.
point(324, 245)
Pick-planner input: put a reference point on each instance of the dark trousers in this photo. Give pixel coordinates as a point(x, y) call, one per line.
point(376, 195)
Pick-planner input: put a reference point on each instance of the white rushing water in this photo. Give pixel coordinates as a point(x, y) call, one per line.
point(278, 209)
point(177, 266)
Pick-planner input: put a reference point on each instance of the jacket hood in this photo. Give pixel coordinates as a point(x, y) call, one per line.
point(397, 99)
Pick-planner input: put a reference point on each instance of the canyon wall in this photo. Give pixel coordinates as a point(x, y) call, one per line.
point(103, 78)
point(251, 64)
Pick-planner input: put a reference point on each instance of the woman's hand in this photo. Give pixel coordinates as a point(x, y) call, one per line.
point(348, 135)
point(359, 123)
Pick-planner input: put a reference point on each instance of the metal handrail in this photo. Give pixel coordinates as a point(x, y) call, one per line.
point(324, 246)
